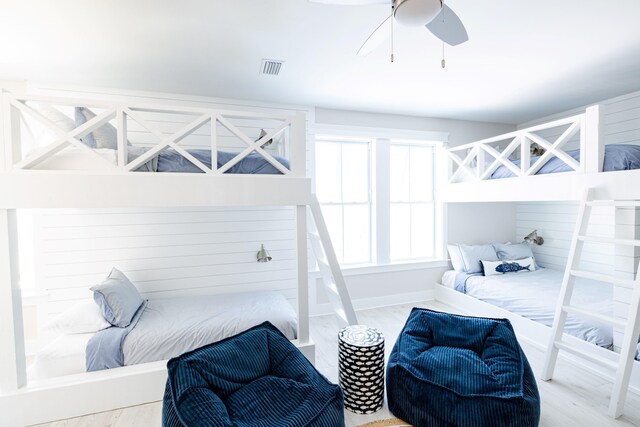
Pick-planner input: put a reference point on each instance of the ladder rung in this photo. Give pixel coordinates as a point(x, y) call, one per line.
point(599, 360)
point(594, 316)
point(626, 283)
point(611, 240)
point(315, 236)
point(616, 203)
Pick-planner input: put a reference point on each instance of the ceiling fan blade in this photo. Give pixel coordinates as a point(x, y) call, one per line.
point(376, 38)
point(450, 29)
point(351, 2)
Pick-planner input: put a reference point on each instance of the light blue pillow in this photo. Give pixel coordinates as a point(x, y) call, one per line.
point(117, 298)
point(472, 254)
point(509, 251)
point(81, 119)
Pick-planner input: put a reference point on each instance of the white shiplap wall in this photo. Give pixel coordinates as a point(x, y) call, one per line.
point(165, 252)
point(555, 222)
point(168, 252)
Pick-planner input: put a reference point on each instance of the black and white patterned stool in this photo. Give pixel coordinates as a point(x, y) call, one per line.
point(361, 368)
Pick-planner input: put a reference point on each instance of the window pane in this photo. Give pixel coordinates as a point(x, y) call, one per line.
point(422, 230)
point(355, 173)
point(357, 246)
point(328, 172)
point(400, 231)
point(333, 218)
point(399, 173)
point(421, 167)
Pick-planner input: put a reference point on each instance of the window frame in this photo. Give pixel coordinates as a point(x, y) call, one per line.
point(328, 139)
point(379, 171)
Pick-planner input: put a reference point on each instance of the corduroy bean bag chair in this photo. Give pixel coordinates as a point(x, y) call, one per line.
point(255, 378)
point(450, 370)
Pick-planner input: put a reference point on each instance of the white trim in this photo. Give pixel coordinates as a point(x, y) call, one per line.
point(365, 132)
point(359, 270)
point(376, 302)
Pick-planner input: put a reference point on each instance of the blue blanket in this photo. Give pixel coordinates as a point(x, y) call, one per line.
point(254, 163)
point(617, 157)
point(104, 349)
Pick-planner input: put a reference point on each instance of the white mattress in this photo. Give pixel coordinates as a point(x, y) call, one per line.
point(170, 327)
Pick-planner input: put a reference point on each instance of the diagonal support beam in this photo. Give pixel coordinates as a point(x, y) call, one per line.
point(65, 138)
point(254, 146)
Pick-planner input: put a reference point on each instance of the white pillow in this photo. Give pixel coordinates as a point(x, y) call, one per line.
point(456, 257)
point(82, 318)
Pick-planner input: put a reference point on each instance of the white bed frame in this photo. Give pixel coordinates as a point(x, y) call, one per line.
point(21, 187)
point(470, 167)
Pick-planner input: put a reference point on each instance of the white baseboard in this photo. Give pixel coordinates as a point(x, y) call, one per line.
point(375, 302)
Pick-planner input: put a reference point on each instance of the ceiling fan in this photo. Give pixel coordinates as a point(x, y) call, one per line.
point(433, 14)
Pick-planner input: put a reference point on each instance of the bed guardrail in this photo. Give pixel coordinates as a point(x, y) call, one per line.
point(18, 110)
point(524, 152)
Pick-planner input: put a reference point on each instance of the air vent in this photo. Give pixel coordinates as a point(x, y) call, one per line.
point(271, 67)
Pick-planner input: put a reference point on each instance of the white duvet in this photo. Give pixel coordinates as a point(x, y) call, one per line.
point(172, 326)
point(534, 295)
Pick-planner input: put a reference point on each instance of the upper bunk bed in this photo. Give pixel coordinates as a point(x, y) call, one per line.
point(83, 153)
point(553, 161)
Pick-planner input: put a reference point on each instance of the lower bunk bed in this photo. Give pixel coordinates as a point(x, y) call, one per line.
point(528, 300)
point(160, 330)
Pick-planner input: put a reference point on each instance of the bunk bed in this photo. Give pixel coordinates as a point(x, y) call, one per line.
point(553, 161)
point(93, 163)
point(561, 160)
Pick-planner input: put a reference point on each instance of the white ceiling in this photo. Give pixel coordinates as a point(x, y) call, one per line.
point(525, 58)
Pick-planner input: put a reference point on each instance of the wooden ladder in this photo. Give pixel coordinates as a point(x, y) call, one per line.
point(623, 363)
point(330, 272)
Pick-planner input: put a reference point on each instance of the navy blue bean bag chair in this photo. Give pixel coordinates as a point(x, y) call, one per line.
point(450, 370)
point(255, 378)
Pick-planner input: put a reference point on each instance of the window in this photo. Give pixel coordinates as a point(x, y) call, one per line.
point(378, 199)
point(343, 189)
point(412, 206)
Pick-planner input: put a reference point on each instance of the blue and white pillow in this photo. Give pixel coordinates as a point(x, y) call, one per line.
point(118, 298)
point(492, 268)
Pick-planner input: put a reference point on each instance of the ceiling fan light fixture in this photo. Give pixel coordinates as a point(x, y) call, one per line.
point(416, 13)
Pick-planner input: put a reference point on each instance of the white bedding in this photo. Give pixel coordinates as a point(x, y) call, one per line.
point(534, 295)
point(170, 327)
point(64, 356)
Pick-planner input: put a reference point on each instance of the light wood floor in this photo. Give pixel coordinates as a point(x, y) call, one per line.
point(573, 398)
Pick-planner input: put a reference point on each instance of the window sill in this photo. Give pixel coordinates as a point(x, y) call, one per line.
point(357, 270)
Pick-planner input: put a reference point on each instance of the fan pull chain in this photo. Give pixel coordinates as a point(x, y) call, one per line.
point(443, 63)
point(392, 19)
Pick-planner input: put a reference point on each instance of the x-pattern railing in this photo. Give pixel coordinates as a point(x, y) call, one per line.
point(472, 161)
point(22, 107)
